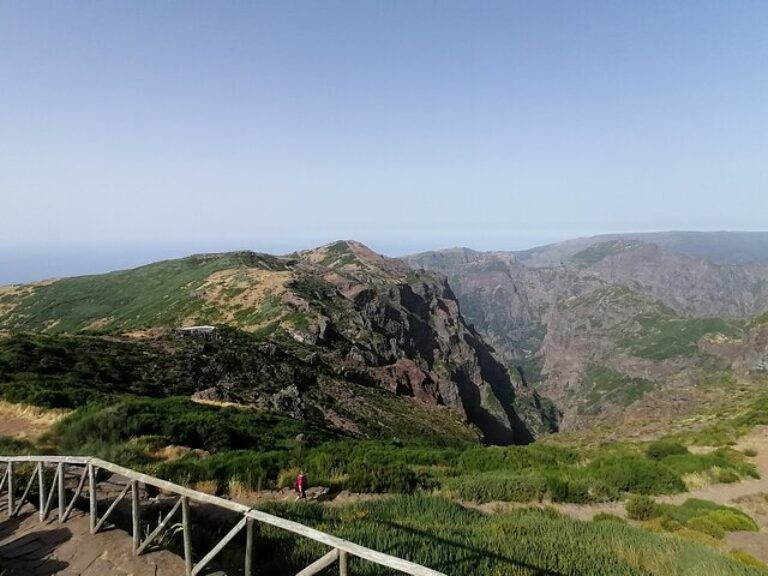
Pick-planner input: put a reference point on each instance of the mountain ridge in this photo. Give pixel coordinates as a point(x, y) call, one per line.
point(664, 303)
point(366, 320)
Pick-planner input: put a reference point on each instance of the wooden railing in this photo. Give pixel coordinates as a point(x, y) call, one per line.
point(341, 550)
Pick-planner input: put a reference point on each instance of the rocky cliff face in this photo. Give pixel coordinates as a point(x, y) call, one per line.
point(511, 297)
point(747, 353)
point(588, 321)
point(386, 325)
point(689, 285)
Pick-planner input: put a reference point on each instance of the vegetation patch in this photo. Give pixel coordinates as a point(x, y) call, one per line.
point(666, 335)
point(447, 537)
point(160, 294)
point(603, 384)
point(701, 516)
point(597, 252)
point(727, 430)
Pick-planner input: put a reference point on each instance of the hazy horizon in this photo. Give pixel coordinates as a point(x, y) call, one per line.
point(39, 264)
point(137, 131)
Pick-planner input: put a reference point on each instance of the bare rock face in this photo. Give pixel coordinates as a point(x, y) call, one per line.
point(596, 323)
point(688, 285)
point(402, 331)
point(512, 298)
point(748, 354)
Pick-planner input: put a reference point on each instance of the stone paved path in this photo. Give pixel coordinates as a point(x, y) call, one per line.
point(29, 547)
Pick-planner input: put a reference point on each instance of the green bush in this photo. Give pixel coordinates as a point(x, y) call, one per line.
point(663, 448)
point(16, 447)
point(704, 517)
point(641, 508)
point(723, 458)
point(179, 421)
point(731, 520)
point(749, 560)
point(636, 475)
point(561, 488)
point(727, 476)
point(515, 458)
point(257, 471)
point(707, 526)
point(378, 478)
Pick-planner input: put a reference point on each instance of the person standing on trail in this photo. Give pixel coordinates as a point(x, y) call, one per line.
point(301, 486)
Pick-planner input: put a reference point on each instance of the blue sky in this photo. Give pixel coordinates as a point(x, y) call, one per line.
point(131, 131)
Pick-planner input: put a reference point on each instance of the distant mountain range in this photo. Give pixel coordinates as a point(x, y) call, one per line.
point(451, 342)
point(716, 247)
point(595, 323)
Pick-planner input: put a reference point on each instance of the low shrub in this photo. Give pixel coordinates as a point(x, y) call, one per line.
point(16, 447)
point(377, 478)
point(637, 475)
point(641, 508)
point(562, 488)
point(515, 458)
point(731, 520)
point(706, 526)
point(179, 421)
point(663, 448)
point(727, 476)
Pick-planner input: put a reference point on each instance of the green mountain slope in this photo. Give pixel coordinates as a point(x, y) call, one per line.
point(309, 335)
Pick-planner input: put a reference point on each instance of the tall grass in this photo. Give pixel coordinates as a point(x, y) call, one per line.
point(447, 537)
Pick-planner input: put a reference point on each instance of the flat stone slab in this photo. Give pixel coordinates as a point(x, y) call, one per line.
point(29, 547)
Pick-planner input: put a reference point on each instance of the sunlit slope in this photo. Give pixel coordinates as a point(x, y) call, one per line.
point(318, 319)
point(166, 293)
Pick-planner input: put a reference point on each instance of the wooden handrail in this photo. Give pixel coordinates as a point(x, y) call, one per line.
point(340, 548)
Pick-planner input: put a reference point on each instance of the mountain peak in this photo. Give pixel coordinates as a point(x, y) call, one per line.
point(352, 257)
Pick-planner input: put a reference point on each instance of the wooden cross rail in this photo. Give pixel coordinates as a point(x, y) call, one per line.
point(340, 552)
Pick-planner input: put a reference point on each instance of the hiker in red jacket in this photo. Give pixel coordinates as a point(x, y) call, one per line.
point(301, 486)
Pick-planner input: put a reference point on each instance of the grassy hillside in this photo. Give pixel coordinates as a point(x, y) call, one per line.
point(597, 252)
point(603, 385)
point(160, 294)
point(669, 335)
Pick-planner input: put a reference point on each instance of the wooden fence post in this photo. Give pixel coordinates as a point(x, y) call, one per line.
point(62, 496)
point(249, 547)
point(343, 563)
point(41, 485)
point(135, 515)
point(92, 496)
point(187, 524)
point(10, 489)
point(49, 500)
